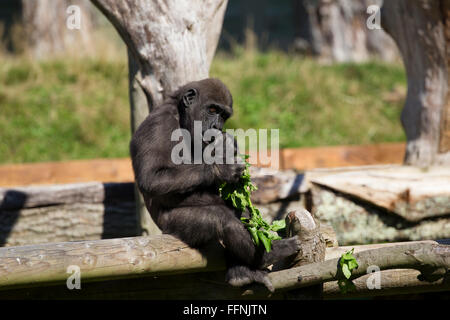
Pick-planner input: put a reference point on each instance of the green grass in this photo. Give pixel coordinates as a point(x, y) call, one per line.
point(75, 109)
point(313, 104)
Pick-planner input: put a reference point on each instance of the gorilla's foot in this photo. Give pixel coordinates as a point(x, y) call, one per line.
point(239, 276)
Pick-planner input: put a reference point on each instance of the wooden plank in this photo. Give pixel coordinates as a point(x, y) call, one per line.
point(119, 170)
point(101, 170)
point(342, 156)
point(413, 193)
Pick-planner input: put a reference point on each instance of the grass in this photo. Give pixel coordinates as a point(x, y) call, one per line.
point(78, 108)
point(315, 104)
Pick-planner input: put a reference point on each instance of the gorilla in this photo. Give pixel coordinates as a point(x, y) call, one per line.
point(183, 199)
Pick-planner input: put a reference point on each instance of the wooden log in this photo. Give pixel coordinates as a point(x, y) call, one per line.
point(108, 261)
point(39, 196)
point(302, 224)
point(412, 193)
point(393, 282)
point(274, 185)
point(102, 260)
point(67, 222)
point(359, 222)
point(433, 260)
point(210, 285)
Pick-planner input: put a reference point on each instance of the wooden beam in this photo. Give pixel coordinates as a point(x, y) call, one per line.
point(342, 156)
point(119, 170)
point(127, 258)
point(101, 170)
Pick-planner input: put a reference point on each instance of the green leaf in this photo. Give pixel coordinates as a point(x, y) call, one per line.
point(347, 263)
point(266, 242)
point(278, 225)
point(254, 234)
point(352, 264)
point(345, 270)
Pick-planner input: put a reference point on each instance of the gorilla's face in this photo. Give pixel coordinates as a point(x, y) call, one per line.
point(208, 101)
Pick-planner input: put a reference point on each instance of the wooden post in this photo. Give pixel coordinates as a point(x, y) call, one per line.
point(169, 44)
point(302, 224)
point(421, 30)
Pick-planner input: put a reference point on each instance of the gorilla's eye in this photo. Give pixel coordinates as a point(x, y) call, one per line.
point(213, 109)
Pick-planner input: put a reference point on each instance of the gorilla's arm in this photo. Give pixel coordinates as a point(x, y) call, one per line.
point(155, 172)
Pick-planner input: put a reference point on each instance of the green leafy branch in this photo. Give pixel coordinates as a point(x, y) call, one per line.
point(347, 263)
point(239, 196)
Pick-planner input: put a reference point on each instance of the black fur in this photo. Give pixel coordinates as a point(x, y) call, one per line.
point(183, 199)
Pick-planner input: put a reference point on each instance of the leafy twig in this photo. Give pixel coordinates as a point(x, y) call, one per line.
point(239, 195)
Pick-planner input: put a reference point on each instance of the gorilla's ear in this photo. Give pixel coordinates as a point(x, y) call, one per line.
point(189, 97)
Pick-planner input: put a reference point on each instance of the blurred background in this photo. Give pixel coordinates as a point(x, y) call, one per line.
point(312, 69)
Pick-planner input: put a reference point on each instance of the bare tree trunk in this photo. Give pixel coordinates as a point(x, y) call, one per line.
point(421, 30)
point(169, 44)
point(173, 41)
point(139, 111)
point(45, 26)
point(336, 30)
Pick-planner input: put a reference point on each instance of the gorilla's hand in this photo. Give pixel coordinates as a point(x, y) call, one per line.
point(226, 148)
point(232, 166)
point(229, 173)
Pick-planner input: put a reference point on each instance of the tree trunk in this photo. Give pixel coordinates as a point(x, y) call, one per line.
point(139, 111)
point(336, 30)
point(45, 26)
point(421, 30)
point(172, 41)
point(169, 44)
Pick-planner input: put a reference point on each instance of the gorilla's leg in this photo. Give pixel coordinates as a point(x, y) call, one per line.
point(196, 226)
point(245, 260)
point(240, 246)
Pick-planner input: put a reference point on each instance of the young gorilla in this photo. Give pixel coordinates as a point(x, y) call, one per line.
point(183, 199)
